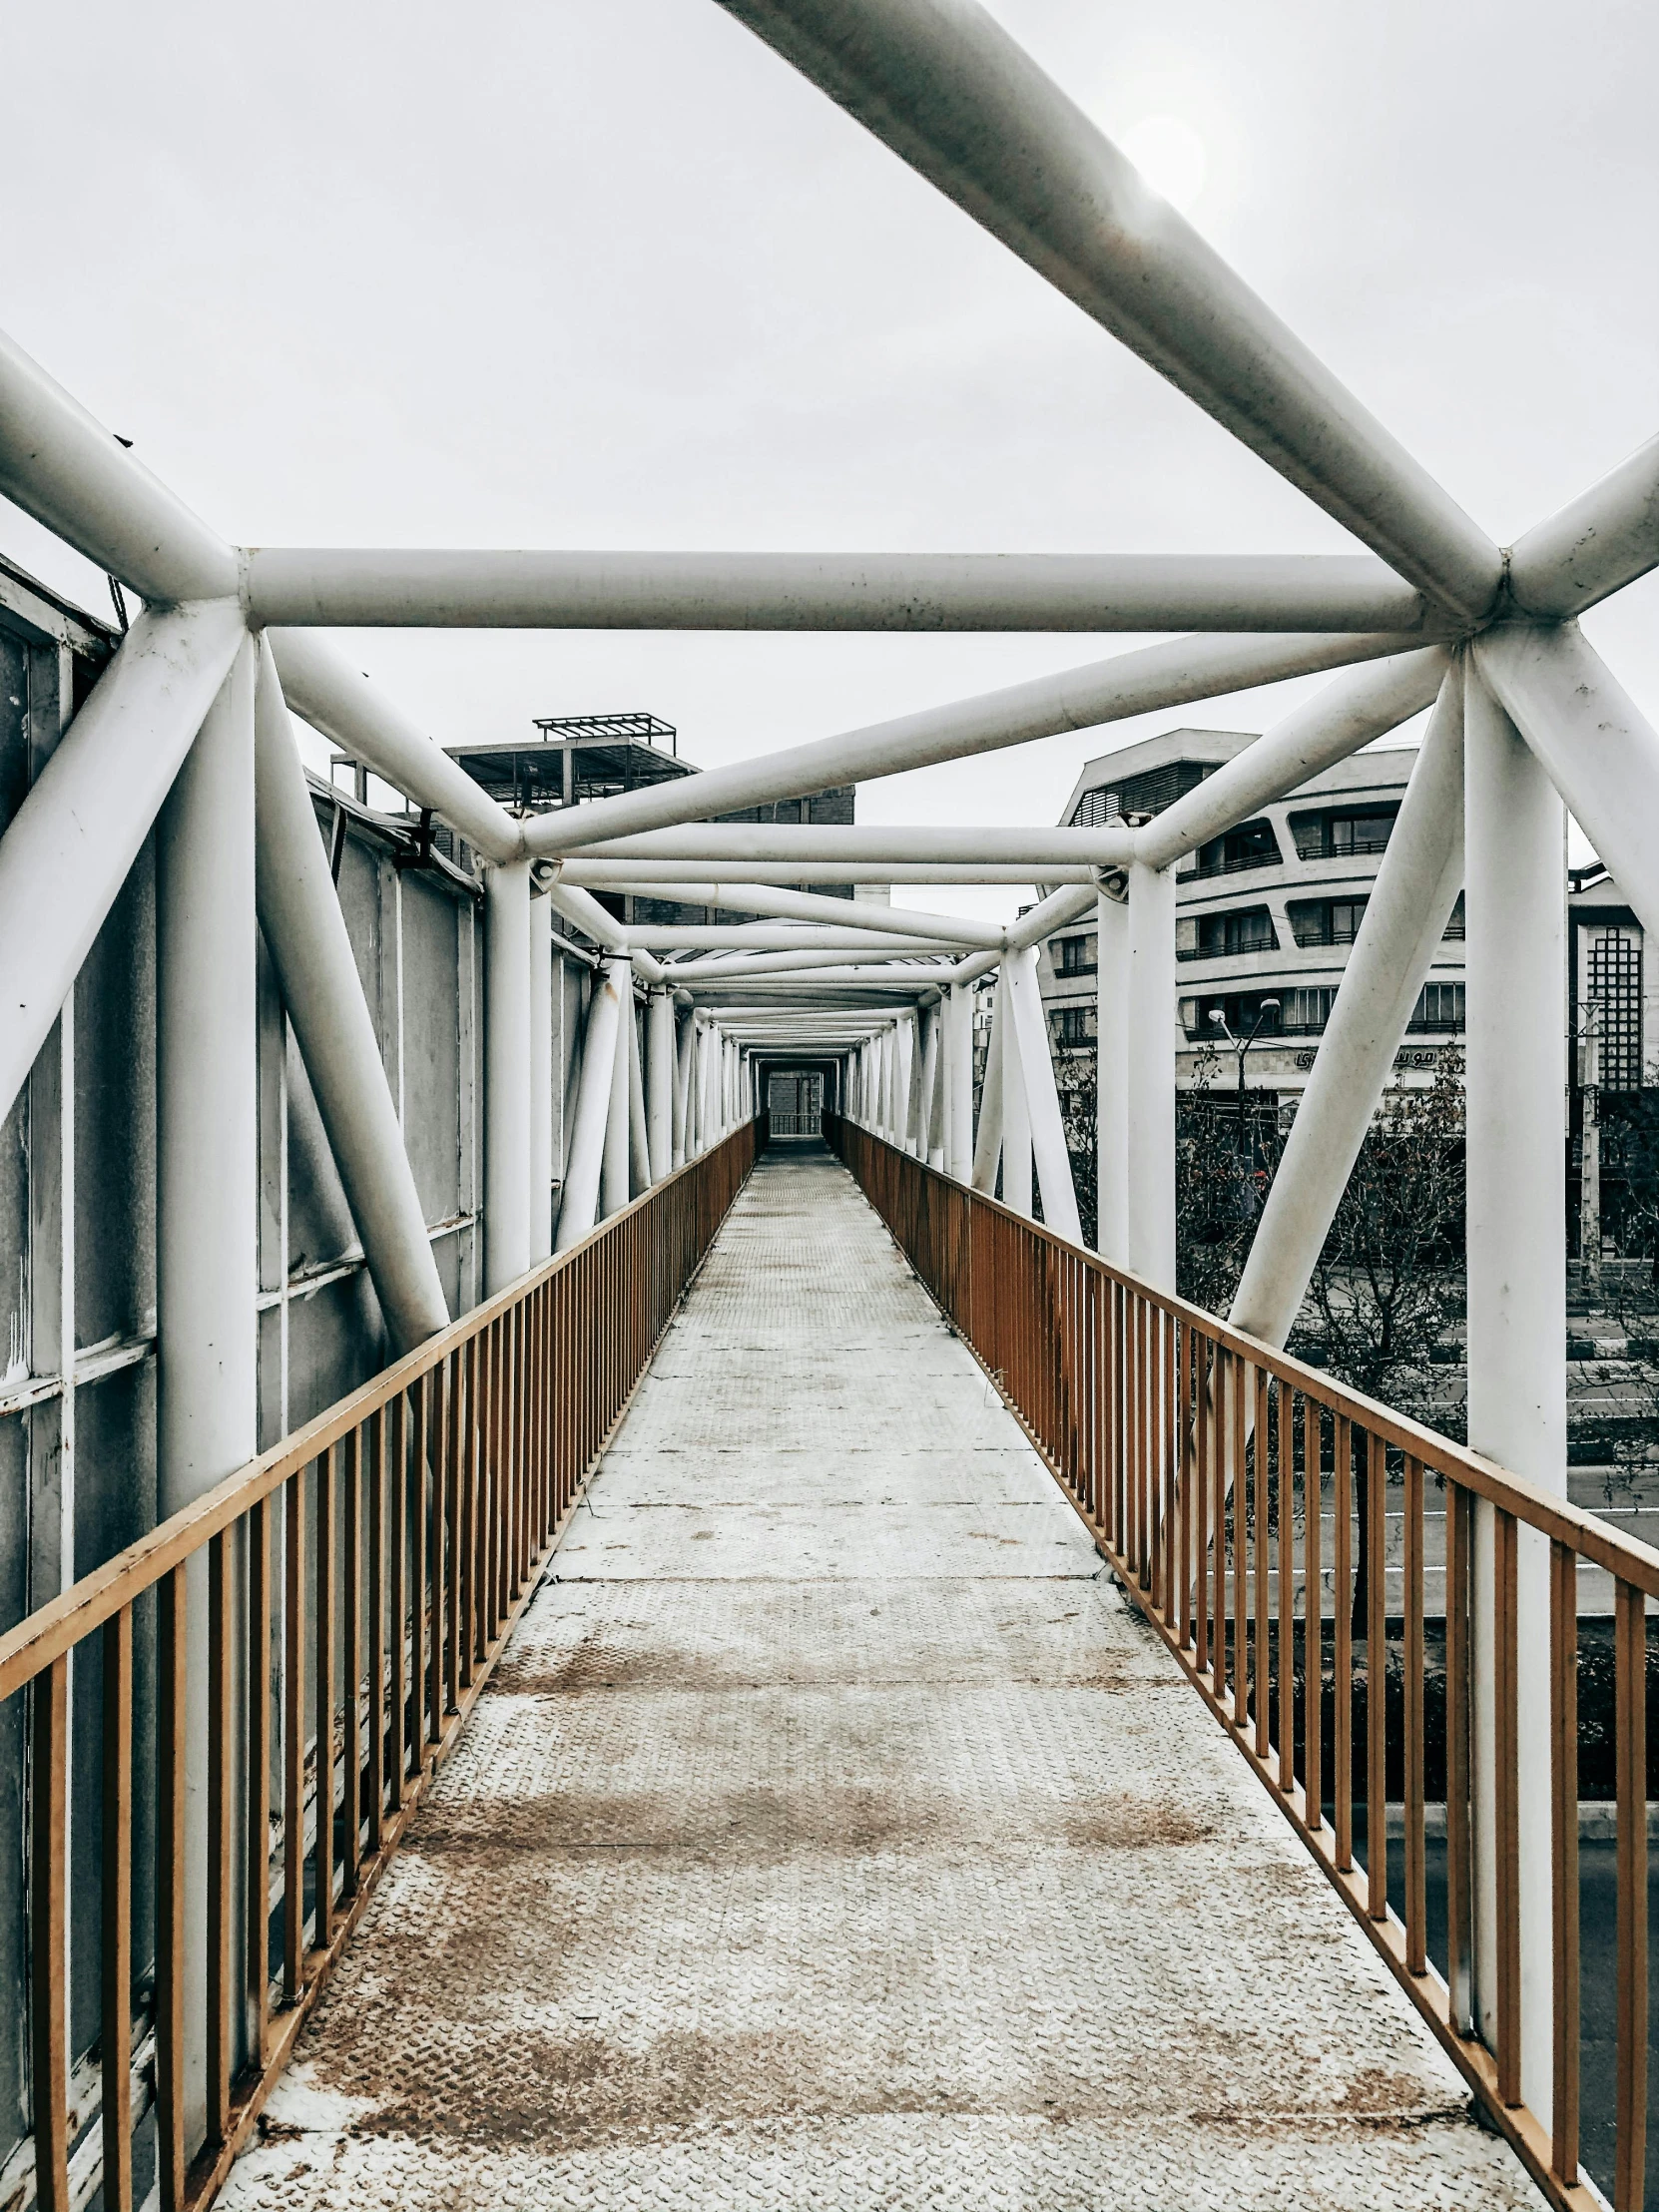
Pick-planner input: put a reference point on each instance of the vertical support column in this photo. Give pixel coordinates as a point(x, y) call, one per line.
point(659, 1081)
point(1016, 1110)
point(682, 1033)
point(1150, 1083)
point(912, 1052)
point(1516, 908)
point(613, 1178)
point(1043, 1098)
point(639, 1143)
point(1112, 1072)
point(959, 1044)
point(932, 1135)
point(507, 1074)
point(541, 1080)
point(206, 1189)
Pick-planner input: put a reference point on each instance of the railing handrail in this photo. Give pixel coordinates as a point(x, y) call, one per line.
point(1623, 1556)
point(45, 1634)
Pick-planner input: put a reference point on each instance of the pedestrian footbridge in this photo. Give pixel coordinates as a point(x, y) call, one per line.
point(832, 1830)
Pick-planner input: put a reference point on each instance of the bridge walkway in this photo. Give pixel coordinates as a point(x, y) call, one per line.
point(834, 1834)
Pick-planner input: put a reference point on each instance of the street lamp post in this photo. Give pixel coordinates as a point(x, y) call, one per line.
point(1238, 1049)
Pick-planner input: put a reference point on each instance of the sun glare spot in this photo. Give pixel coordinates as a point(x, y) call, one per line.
point(1170, 155)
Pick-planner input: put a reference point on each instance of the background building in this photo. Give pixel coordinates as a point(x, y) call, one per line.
point(1266, 913)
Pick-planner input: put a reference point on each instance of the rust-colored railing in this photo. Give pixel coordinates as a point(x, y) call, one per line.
point(1224, 1482)
point(367, 1571)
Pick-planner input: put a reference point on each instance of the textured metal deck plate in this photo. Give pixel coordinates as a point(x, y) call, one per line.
point(832, 1834)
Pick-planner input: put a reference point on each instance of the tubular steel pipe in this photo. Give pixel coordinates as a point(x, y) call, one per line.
point(1151, 1077)
point(206, 1246)
point(876, 844)
point(1112, 1078)
point(1516, 1237)
point(1405, 923)
point(614, 1192)
point(659, 1081)
point(738, 937)
point(958, 1009)
point(584, 1157)
point(305, 931)
point(507, 1071)
point(1596, 544)
point(953, 95)
point(326, 690)
point(1596, 746)
point(647, 877)
point(1363, 705)
point(786, 905)
point(827, 591)
point(69, 846)
point(62, 467)
point(541, 1080)
point(1158, 676)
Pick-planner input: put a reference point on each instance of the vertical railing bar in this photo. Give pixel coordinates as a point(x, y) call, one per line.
point(1238, 1403)
point(1631, 2091)
point(1285, 1414)
point(1205, 1382)
point(437, 1635)
point(1506, 1788)
point(293, 1739)
point(1312, 1612)
point(375, 1482)
point(1376, 1681)
point(1564, 1799)
point(256, 1793)
point(415, 1476)
point(324, 1769)
point(171, 1721)
point(1416, 1879)
point(1261, 1555)
point(397, 1606)
point(116, 1917)
point(1341, 1576)
point(219, 1900)
point(456, 1543)
point(351, 1660)
point(48, 1889)
point(1458, 1840)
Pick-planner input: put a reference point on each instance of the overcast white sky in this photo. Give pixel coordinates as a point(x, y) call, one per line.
point(606, 273)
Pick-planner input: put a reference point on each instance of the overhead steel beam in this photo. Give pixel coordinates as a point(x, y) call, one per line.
point(646, 878)
point(1596, 544)
point(841, 913)
point(722, 967)
point(736, 936)
point(68, 849)
point(1158, 676)
point(952, 94)
point(459, 589)
point(876, 844)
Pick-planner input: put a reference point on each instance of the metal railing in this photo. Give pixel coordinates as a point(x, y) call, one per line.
point(1225, 1481)
point(368, 1570)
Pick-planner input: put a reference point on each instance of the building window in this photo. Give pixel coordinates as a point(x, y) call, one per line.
point(1221, 936)
point(1328, 920)
point(1074, 1026)
point(1455, 928)
point(1095, 809)
point(1252, 844)
point(1337, 836)
point(1301, 1014)
point(1614, 982)
point(1076, 956)
point(1439, 1006)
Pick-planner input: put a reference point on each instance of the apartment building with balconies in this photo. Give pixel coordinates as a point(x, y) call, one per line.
point(1265, 914)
